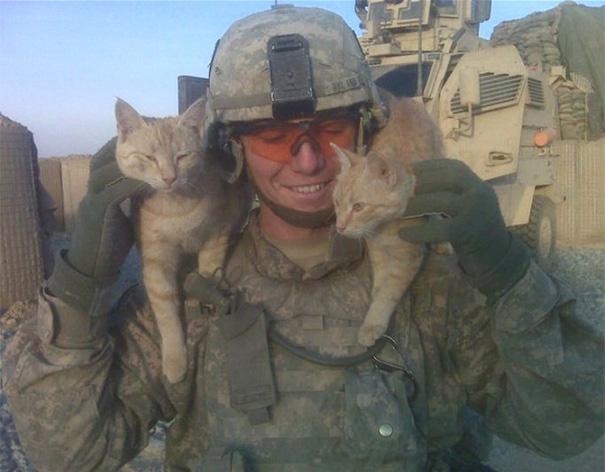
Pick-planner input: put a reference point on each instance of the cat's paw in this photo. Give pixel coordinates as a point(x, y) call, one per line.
point(369, 333)
point(174, 364)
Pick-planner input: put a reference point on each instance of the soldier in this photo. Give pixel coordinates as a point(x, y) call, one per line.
point(484, 329)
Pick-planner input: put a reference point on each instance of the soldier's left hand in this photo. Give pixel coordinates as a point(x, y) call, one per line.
point(472, 222)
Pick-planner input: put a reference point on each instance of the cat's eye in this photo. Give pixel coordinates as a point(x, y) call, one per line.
point(358, 206)
point(180, 157)
point(149, 158)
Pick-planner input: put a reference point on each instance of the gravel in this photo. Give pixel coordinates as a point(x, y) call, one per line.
point(582, 268)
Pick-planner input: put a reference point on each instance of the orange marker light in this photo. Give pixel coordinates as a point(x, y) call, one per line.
point(545, 136)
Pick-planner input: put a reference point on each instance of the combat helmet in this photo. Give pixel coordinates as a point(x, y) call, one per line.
point(289, 62)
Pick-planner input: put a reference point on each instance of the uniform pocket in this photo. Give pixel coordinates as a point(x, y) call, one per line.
point(379, 425)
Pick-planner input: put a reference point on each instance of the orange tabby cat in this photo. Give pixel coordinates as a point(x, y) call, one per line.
point(188, 209)
point(370, 198)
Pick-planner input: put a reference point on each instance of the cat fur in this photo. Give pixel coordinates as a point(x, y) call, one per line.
point(189, 208)
point(370, 199)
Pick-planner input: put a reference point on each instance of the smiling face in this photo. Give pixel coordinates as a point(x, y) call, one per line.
point(304, 182)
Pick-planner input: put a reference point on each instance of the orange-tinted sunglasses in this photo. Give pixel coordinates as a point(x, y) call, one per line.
point(280, 142)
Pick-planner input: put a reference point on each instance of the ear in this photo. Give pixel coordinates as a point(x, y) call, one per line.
point(347, 158)
point(381, 169)
point(128, 119)
point(195, 115)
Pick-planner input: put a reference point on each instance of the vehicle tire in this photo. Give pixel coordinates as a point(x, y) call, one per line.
point(540, 233)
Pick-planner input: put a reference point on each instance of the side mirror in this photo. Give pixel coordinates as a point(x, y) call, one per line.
point(470, 96)
point(470, 88)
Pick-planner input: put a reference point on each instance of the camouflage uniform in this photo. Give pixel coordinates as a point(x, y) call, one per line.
point(85, 400)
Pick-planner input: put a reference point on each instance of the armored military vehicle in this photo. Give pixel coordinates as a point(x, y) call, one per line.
point(496, 114)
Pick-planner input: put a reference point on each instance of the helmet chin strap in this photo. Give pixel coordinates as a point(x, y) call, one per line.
point(300, 219)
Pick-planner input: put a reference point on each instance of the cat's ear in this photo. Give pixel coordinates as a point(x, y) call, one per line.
point(347, 158)
point(128, 119)
point(381, 169)
point(195, 115)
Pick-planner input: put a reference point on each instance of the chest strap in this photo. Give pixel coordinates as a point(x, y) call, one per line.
point(325, 360)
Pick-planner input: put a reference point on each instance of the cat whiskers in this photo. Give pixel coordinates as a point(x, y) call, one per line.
point(192, 189)
point(360, 233)
point(369, 233)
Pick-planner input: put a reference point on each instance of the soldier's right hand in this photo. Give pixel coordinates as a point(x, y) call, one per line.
point(103, 235)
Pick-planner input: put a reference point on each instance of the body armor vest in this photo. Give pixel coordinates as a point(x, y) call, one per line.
point(325, 418)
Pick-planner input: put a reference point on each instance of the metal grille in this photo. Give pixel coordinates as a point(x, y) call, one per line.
point(580, 171)
point(536, 92)
point(497, 91)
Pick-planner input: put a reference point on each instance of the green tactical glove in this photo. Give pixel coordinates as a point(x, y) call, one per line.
point(491, 256)
point(103, 235)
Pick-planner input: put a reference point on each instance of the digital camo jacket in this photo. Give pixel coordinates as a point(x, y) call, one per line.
point(84, 396)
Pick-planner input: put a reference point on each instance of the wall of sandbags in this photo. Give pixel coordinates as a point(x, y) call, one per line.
point(534, 37)
point(537, 39)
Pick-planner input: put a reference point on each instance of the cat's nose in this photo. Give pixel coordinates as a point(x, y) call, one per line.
point(169, 180)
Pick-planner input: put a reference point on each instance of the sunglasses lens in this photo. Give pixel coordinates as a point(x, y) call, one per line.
point(340, 132)
point(277, 142)
point(274, 143)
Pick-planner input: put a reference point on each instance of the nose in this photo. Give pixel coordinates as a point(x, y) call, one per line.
point(168, 176)
point(341, 223)
point(307, 157)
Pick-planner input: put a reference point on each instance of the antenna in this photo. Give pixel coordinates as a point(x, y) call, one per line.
point(419, 84)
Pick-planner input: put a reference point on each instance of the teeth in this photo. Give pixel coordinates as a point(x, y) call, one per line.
point(308, 188)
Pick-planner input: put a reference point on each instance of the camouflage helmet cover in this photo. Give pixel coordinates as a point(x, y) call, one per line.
point(240, 85)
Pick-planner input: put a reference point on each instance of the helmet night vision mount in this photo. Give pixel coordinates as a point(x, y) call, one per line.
point(292, 94)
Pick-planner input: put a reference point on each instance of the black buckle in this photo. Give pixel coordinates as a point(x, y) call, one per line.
point(291, 77)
